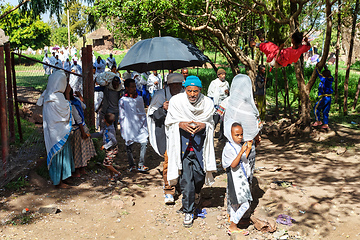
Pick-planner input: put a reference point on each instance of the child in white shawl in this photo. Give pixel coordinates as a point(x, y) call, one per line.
point(241, 128)
point(239, 171)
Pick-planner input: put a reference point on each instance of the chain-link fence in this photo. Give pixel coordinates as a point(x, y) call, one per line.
point(27, 144)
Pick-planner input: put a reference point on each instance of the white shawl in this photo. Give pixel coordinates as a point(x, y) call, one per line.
point(217, 89)
point(56, 114)
point(132, 119)
point(181, 110)
point(76, 82)
point(156, 102)
point(241, 108)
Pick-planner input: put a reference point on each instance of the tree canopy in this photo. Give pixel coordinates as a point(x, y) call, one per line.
point(225, 25)
point(23, 30)
point(37, 7)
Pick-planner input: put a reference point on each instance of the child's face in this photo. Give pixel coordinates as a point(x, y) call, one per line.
point(237, 134)
point(132, 88)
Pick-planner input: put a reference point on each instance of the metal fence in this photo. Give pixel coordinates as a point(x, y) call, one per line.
point(22, 141)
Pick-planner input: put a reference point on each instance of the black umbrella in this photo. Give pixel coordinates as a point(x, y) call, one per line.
point(162, 53)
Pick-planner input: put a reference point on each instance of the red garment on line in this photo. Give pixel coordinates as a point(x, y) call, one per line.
point(287, 55)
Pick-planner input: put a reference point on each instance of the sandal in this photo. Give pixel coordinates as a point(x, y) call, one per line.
point(325, 126)
point(317, 123)
point(242, 231)
point(143, 169)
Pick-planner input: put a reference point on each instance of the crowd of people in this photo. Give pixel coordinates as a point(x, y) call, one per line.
point(173, 115)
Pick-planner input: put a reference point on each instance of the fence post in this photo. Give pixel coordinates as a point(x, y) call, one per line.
point(3, 114)
point(15, 96)
point(91, 86)
point(9, 92)
point(88, 85)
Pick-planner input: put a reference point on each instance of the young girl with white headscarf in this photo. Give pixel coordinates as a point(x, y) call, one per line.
point(238, 158)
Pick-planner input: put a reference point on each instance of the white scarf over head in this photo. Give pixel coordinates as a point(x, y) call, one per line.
point(56, 114)
point(181, 110)
point(241, 108)
point(157, 101)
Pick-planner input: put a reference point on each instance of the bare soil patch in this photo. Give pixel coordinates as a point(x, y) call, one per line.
point(321, 192)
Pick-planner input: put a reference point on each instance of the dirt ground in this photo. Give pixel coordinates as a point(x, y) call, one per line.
point(323, 197)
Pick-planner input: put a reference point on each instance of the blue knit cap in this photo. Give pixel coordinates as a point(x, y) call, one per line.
point(193, 81)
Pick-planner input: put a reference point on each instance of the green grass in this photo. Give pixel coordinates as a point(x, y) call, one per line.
point(27, 128)
point(118, 58)
point(220, 59)
point(33, 76)
point(17, 184)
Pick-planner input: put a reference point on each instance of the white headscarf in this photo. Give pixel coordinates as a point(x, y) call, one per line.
point(241, 108)
point(56, 114)
point(181, 110)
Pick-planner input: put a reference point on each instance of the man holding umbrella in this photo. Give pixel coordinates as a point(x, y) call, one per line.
point(156, 125)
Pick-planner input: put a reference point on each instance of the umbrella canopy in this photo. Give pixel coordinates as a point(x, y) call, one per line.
point(162, 53)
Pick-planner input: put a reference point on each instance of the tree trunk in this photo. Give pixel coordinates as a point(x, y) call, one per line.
point(287, 99)
point(356, 95)
point(304, 89)
point(304, 96)
point(337, 54)
point(276, 94)
point(346, 82)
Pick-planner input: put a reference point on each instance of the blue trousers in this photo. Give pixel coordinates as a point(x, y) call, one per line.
point(146, 96)
point(323, 105)
point(191, 181)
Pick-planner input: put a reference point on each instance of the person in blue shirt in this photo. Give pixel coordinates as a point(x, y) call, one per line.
point(324, 92)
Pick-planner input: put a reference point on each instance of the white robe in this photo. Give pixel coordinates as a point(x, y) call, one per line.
point(138, 80)
point(100, 67)
point(151, 86)
point(181, 110)
point(57, 122)
point(110, 62)
point(67, 66)
point(76, 82)
point(217, 89)
point(157, 101)
point(132, 119)
point(46, 67)
point(58, 63)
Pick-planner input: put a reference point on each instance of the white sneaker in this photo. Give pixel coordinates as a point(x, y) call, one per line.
point(197, 198)
point(188, 220)
point(169, 199)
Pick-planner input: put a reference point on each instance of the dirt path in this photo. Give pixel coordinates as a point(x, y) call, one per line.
point(324, 197)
